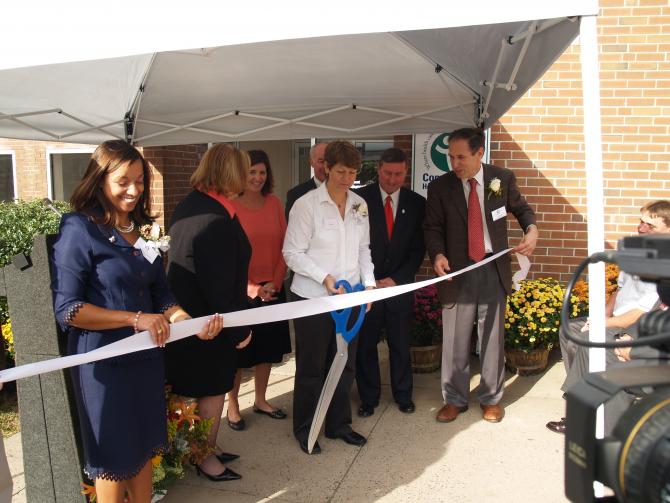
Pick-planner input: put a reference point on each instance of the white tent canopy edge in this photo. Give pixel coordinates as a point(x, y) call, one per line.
point(43, 32)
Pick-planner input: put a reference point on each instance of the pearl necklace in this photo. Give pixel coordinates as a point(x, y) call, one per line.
point(127, 229)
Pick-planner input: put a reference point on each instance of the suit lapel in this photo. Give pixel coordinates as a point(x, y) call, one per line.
point(400, 216)
point(458, 195)
point(490, 202)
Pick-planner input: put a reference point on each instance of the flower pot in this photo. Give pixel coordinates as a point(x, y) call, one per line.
point(528, 362)
point(425, 359)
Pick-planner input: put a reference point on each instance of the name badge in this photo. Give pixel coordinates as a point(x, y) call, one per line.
point(499, 213)
point(330, 224)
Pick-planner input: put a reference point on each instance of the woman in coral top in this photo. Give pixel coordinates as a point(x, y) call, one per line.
point(262, 218)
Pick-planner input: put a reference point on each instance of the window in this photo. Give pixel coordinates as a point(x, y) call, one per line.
point(65, 171)
point(371, 151)
point(7, 186)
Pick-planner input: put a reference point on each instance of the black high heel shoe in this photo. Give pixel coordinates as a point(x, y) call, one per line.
point(225, 457)
point(224, 476)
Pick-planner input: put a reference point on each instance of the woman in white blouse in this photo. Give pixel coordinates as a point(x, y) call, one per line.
point(327, 239)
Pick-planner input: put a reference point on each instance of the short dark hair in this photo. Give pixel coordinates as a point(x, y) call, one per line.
point(342, 152)
point(473, 135)
point(393, 154)
point(261, 157)
point(88, 196)
point(658, 209)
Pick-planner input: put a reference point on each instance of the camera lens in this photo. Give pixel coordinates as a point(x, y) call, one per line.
point(643, 467)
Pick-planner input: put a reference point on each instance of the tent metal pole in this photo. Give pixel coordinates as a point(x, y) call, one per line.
point(28, 114)
point(588, 41)
point(176, 127)
point(134, 109)
point(503, 45)
point(43, 131)
point(532, 30)
point(544, 26)
point(90, 127)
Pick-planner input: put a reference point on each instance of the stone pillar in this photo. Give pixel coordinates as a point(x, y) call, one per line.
point(49, 429)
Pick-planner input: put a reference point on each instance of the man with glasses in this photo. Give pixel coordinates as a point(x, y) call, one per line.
point(624, 308)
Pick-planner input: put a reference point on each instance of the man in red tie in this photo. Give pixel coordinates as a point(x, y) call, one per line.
point(396, 245)
point(465, 222)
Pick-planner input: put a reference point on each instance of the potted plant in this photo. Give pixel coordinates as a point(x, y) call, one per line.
point(426, 331)
point(581, 289)
point(532, 320)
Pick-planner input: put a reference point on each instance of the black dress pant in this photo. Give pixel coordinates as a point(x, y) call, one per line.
point(395, 316)
point(315, 349)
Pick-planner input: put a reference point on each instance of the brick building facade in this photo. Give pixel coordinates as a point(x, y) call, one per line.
point(540, 138)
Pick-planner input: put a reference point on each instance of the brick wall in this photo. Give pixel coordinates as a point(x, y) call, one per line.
point(541, 138)
point(31, 164)
point(172, 168)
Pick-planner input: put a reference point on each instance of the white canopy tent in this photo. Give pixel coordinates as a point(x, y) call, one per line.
point(271, 70)
point(447, 71)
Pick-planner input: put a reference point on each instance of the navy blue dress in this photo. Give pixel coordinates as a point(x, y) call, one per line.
point(121, 400)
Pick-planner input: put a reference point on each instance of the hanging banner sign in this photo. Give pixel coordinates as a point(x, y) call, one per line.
point(431, 160)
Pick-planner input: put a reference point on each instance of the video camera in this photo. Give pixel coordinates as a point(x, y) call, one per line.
point(634, 461)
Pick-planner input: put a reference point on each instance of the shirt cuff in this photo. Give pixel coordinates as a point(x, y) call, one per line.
point(529, 228)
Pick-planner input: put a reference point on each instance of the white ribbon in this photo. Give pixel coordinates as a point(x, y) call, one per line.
point(266, 314)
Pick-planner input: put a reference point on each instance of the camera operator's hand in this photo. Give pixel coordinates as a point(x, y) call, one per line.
point(623, 354)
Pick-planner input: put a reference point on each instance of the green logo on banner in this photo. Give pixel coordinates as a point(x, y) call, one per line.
point(439, 152)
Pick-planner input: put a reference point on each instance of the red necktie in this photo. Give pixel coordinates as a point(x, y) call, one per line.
point(388, 212)
point(475, 228)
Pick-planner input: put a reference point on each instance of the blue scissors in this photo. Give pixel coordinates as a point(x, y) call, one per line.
point(343, 337)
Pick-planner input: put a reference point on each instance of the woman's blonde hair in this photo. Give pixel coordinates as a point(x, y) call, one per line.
point(223, 169)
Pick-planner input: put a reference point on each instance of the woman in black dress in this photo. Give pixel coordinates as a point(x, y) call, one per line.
point(104, 290)
point(207, 272)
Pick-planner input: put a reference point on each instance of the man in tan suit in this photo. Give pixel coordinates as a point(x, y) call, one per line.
point(466, 222)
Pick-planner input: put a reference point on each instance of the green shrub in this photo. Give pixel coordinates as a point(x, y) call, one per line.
point(4, 311)
point(21, 221)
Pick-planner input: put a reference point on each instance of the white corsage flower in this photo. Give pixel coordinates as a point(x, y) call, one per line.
point(152, 241)
point(495, 188)
point(360, 211)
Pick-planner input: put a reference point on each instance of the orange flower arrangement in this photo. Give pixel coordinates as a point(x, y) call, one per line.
point(581, 289)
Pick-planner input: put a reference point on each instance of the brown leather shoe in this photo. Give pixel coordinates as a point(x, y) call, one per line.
point(492, 413)
point(557, 426)
point(449, 412)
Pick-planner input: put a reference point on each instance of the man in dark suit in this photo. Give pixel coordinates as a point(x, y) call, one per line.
point(465, 222)
point(316, 154)
point(396, 243)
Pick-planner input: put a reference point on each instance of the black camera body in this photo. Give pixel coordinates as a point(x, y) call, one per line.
point(634, 460)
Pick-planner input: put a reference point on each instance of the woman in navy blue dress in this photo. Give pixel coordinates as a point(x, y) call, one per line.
point(105, 290)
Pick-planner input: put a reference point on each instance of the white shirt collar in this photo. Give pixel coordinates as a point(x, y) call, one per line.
point(324, 197)
point(479, 176)
point(394, 197)
point(317, 182)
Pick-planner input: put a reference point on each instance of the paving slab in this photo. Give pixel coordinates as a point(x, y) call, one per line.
point(409, 457)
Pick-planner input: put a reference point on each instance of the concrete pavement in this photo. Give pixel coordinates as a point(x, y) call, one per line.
point(409, 457)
